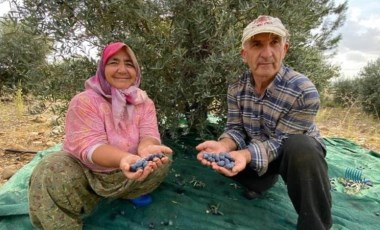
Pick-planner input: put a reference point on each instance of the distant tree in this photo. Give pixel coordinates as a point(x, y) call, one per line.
point(189, 49)
point(22, 54)
point(314, 64)
point(369, 87)
point(346, 92)
point(64, 78)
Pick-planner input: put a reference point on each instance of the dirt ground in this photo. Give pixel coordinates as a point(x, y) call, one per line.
point(36, 128)
point(23, 134)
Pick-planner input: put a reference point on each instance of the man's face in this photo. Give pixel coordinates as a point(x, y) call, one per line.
point(120, 71)
point(264, 53)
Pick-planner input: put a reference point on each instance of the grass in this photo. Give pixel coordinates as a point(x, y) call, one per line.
point(19, 101)
point(350, 123)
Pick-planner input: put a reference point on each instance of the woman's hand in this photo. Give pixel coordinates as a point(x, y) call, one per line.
point(140, 175)
point(153, 149)
point(127, 161)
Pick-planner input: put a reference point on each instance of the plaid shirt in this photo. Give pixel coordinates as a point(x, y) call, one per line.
point(261, 123)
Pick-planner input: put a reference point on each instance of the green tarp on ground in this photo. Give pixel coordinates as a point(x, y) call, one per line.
point(195, 197)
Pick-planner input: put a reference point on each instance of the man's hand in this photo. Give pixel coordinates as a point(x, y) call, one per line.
point(210, 147)
point(241, 157)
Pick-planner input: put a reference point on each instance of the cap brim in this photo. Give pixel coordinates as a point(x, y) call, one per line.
point(272, 30)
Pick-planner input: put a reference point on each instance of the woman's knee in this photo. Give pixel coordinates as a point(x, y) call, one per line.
point(55, 171)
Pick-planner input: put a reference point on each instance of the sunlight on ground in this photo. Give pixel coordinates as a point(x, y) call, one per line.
point(352, 124)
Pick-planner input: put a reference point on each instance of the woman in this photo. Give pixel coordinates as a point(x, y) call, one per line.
point(109, 127)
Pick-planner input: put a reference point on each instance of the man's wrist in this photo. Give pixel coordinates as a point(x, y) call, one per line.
point(247, 155)
point(228, 144)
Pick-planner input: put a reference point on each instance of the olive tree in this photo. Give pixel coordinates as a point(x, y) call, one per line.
point(22, 54)
point(189, 49)
point(369, 88)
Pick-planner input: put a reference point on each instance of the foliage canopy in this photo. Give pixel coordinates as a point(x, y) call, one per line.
point(22, 54)
point(189, 49)
point(364, 88)
point(369, 87)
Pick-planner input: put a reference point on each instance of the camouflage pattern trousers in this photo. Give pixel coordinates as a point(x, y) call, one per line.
point(62, 190)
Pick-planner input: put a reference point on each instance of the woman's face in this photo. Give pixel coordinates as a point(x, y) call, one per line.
point(119, 70)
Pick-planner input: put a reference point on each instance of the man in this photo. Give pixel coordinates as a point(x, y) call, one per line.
point(270, 127)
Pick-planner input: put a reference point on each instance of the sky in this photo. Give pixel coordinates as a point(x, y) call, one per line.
point(360, 42)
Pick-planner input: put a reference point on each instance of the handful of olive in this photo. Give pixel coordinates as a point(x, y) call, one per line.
point(143, 162)
point(222, 159)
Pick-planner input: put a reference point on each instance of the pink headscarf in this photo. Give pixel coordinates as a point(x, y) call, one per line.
point(122, 99)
